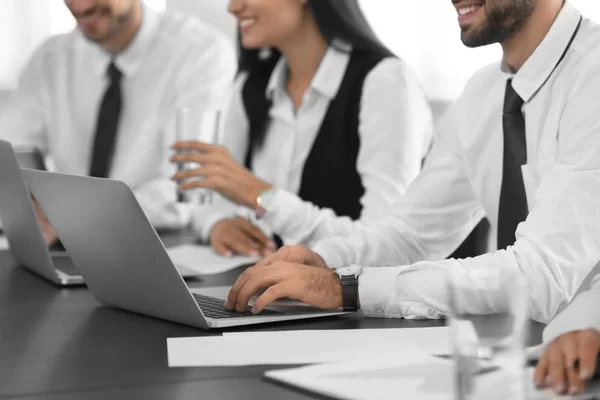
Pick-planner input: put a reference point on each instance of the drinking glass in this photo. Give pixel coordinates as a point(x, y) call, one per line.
point(201, 125)
point(489, 350)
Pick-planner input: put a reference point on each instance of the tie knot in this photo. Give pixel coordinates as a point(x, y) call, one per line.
point(512, 101)
point(113, 72)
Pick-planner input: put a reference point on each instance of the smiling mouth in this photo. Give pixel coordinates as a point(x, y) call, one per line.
point(467, 12)
point(469, 9)
point(247, 23)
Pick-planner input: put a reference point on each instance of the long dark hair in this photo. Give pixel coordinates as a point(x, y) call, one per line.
point(336, 19)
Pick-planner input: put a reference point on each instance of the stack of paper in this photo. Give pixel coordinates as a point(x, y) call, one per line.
point(204, 261)
point(305, 347)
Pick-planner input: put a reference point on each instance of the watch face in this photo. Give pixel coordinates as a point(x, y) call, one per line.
point(350, 270)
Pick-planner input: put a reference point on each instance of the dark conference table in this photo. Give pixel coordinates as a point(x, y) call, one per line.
point(62, 344)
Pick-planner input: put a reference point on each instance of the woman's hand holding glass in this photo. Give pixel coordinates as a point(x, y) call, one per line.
point(218, 171)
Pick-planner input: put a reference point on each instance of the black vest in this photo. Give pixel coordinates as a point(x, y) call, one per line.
point(329, 178)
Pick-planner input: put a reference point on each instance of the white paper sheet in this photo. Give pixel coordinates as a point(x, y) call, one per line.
point(304, 347)
point(204, 260)
point(3, 243)
point(415, 377)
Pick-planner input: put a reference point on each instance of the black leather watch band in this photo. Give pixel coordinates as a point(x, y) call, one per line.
point(349, 292)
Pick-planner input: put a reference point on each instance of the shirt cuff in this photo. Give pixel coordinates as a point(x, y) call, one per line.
point(581, 314)
point(377, 292)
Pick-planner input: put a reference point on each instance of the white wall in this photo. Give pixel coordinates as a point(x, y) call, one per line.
point(24, 24)
point(423, 32)
point(426, 34)
point(212, 11)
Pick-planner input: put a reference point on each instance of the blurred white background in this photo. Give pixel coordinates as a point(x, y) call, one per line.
point(424, 32)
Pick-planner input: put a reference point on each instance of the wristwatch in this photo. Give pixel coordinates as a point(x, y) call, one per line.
point(264, 201)
point(349, 280)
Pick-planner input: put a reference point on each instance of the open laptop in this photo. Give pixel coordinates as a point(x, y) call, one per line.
point(22, 228)
point(28, 157)
point(125, 264)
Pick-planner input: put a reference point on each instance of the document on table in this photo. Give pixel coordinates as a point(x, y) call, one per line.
point(416, 377)
point(204, 260)
point(305, 347)
point(3, 243)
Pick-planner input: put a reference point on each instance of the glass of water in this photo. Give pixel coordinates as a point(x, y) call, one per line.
point(193, 124)
point(489, 350)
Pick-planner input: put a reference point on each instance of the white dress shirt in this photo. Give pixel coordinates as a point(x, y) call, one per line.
point(583, 313)
point(395, 129)
point(174, 60)
point(559, 243)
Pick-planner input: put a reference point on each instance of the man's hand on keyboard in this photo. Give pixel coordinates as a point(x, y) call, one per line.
point(294, 255)
point(319, 287)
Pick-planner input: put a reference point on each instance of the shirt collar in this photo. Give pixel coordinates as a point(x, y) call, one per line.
point(326, 81)
point(541, 64)
point(130, 59)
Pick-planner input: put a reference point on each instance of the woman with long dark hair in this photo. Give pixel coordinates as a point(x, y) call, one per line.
point(325, 127)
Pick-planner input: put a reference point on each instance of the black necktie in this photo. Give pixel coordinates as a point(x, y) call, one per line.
point(106, 128)
point(513, 200)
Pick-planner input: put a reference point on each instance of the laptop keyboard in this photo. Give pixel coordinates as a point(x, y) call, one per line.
point(213, 308)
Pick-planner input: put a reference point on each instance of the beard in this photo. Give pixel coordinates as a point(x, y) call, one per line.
point(501, 22)
point(115, 26)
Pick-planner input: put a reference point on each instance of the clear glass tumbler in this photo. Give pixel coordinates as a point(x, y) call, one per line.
point(489, 350)
point(201, 125)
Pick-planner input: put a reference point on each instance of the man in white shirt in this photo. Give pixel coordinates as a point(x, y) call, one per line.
point(101, 100)
point(540, 104)
point(573, 339)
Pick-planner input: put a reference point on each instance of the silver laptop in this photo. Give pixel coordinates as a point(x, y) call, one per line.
point(23, 230)
point(124, 262)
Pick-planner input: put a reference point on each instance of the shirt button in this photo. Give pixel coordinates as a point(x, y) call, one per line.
point(380, 312)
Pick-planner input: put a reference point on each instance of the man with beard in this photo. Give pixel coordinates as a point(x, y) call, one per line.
point(520, 146)
point(101, 99)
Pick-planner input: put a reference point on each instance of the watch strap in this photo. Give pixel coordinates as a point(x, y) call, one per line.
point(349, 292)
